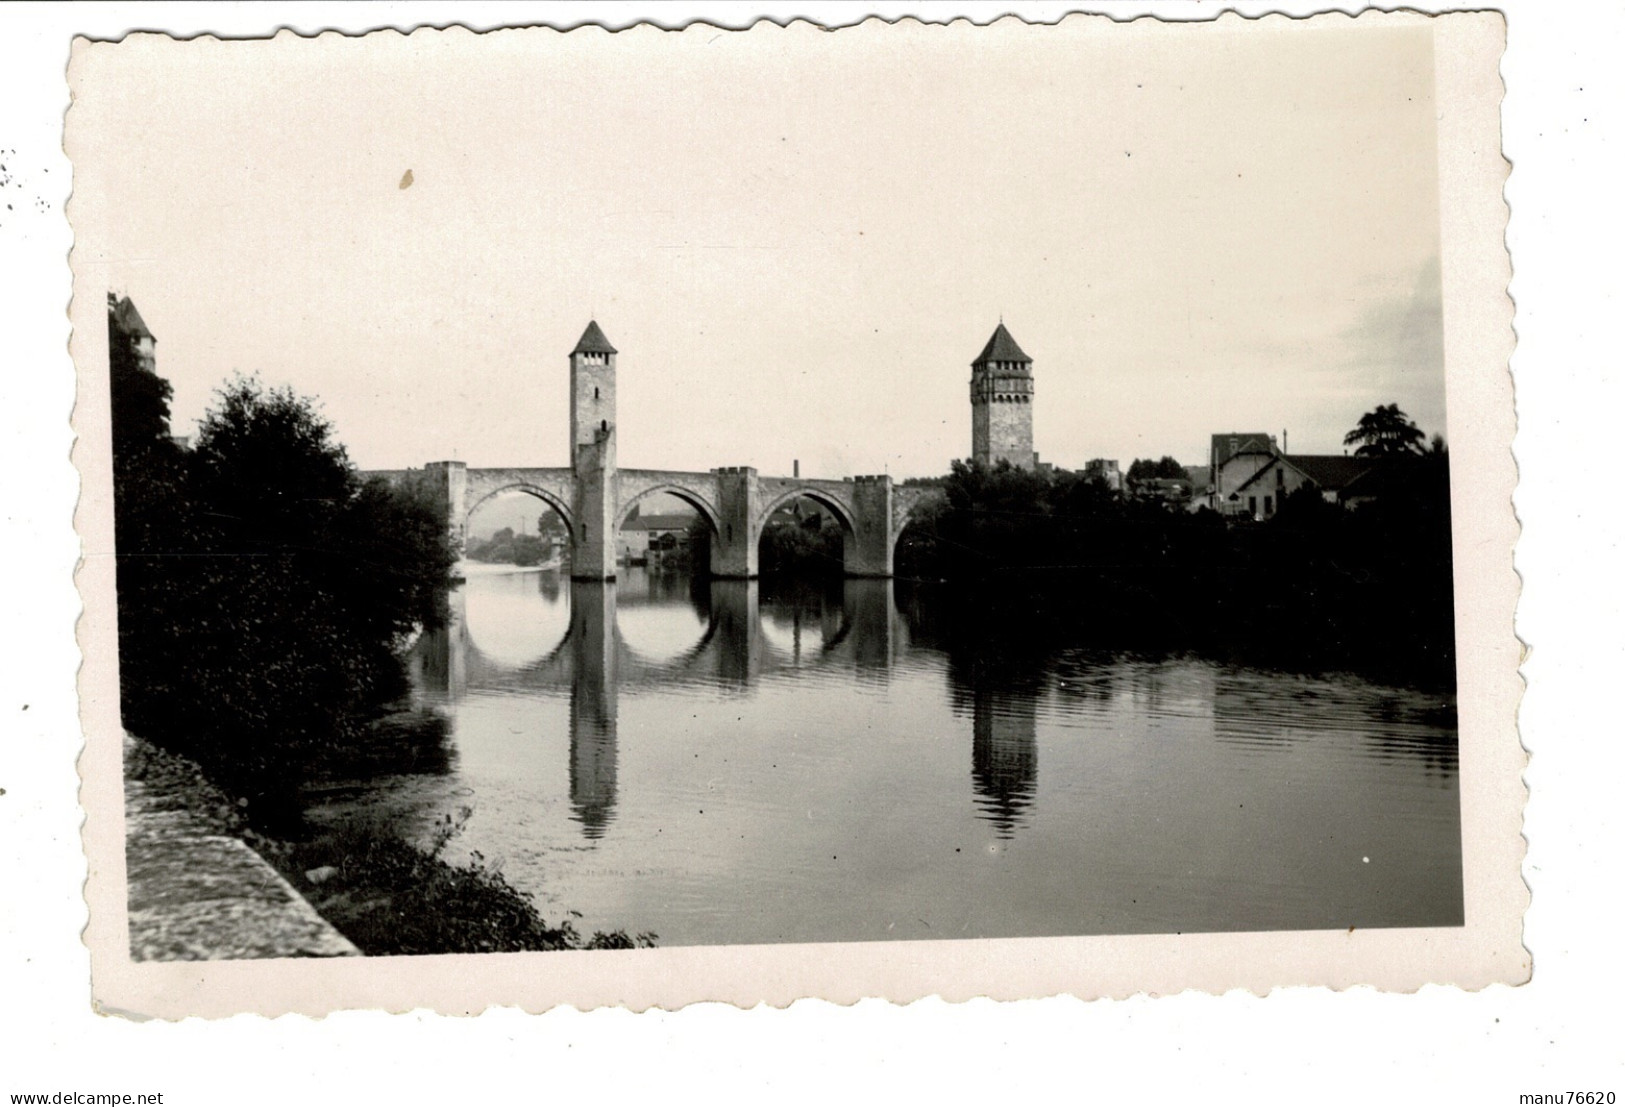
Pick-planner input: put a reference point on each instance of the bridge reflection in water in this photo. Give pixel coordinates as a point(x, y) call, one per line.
point(595, 640)
point(755, 762)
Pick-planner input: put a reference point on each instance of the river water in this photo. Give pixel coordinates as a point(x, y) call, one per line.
point(732, 762)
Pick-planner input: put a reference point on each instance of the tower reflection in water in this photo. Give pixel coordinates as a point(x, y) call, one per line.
point(1004, 757)
point(594, 705)
point(853, 625)
point(993, 680)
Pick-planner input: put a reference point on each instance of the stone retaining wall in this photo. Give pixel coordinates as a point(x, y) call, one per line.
point(197, 892)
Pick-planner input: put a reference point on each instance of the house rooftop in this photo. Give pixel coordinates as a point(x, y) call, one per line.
point(1227, 446)
point(1330, 471)
point(660, 522)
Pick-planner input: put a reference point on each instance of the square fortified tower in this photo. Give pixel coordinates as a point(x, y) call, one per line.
point(592, 455)
point(1001, 403)
point(592, 400)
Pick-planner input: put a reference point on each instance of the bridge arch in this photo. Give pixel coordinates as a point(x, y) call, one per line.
point(553, 501)
point(902, 519)
point(909, 506)
point(699, 503)
point(841, 511)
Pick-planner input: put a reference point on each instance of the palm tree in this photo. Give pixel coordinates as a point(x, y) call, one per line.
point(1386, 432)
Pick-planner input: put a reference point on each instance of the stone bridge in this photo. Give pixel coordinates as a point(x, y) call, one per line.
point(594, 496)
point(735, 504)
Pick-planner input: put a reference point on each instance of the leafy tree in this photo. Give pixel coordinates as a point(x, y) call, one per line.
point(813, 545)
point(149, 512)
point(268, 472)
point(1046, 560)
point(528, 549)
point(277, 633)
point(996, 518)
point(995, 513)
point(1165, 468)
point(140, 417)
point(507, 548)
point(497, 548)
point(1385, 431)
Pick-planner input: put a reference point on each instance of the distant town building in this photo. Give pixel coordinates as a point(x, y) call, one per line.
point(1201, 478)
point(1001, 403)
point(642, 534)
point(1251, 476)
point(1171, 492)
point(1338, 478)
point(799, 512)
point(1105, 471)
point(1234, 459)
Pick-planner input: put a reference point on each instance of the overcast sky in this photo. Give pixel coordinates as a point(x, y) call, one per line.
point(797, 240)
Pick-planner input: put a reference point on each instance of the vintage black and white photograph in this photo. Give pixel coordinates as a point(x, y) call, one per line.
point(659, 490)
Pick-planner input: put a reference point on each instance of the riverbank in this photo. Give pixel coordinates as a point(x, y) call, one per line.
point(197, 891)
point(204, 884)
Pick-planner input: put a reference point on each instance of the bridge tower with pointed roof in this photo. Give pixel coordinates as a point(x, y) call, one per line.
point(1001, 403)
point(592, 454)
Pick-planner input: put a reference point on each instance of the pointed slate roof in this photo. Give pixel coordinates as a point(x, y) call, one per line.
point(129, 319)
point(1001, 347)
point(593, 341)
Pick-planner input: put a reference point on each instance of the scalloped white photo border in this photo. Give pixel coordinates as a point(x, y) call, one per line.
point(1478, 342)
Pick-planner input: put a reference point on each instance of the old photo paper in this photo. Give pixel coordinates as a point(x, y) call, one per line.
point(540, 547)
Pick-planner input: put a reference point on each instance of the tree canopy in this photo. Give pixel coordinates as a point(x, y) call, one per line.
point(1385, 431)
point(1036, 557)
point(264, 587)
point(1165, 468)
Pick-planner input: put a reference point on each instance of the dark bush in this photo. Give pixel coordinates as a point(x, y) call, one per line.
point(264, 588)
point(1064, 558)
point(814, 546)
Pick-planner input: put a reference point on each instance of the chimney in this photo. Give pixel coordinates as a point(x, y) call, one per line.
point(1283, 440)
point(795, 468)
